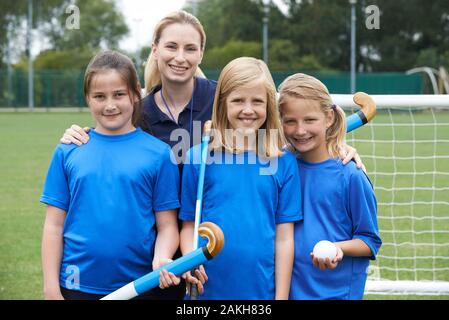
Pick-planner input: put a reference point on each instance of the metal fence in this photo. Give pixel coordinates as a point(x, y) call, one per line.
point(59, 88)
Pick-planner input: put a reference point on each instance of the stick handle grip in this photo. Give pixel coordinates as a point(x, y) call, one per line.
point(192, 260)
point(364, 115)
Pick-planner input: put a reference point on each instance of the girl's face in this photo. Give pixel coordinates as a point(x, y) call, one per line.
point(110, 103)
point(305, 128)
point(178, 52)
point(247, 107)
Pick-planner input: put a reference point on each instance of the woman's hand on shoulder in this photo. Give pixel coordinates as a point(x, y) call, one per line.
point(348, 153)
point(75, 134)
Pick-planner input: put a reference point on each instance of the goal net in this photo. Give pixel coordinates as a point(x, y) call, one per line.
point(406, 152)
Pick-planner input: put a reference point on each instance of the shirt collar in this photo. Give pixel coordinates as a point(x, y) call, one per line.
point(159, 116)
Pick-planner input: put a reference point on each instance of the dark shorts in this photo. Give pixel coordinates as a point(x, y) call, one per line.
point(79, 295)
point(173, 293)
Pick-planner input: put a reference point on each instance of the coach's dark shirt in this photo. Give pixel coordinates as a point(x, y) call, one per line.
point(158, 124)
point(199, 109)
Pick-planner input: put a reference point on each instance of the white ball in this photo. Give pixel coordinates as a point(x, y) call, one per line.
point(325, 249)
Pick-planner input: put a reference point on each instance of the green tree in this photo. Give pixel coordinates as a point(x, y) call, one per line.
point(218, 57)
point(13, 15)
point(62, 60)
point(230, 19)
point(412, 32)
point(101, 25)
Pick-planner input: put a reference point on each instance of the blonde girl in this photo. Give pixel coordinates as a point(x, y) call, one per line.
point(339, 203)
point(251, 190)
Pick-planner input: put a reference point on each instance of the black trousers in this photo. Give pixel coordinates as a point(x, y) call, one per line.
point(173, 293)
point(78, 295)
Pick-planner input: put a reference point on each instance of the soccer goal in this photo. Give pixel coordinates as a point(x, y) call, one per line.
point(406, 151)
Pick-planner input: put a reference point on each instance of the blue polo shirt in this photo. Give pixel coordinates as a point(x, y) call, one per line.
point(111, 189)
point(247, 205)
point(198, 111)
point(339, 204)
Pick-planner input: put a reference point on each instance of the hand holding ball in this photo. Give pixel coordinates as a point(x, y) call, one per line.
point(325, 249)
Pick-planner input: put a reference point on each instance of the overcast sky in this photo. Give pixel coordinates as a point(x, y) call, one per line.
point(143, 15)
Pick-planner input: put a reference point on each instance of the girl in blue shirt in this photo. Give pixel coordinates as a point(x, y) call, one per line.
point(251, 190)
point(339, 204)
point(178, 98)
point(106, 199)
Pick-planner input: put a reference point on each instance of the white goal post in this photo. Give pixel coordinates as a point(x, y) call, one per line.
point(406, 151)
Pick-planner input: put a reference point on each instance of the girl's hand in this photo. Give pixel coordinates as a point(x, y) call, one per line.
point(327, 263)
point(348, 153)
point(166, 279)
point(75, 134)
point(199, 279)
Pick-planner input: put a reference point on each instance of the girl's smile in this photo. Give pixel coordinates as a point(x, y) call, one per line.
point(111, 104)
point(305, 128)
point(247, 107)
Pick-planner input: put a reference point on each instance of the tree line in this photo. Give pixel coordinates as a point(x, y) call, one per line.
point(308, 35)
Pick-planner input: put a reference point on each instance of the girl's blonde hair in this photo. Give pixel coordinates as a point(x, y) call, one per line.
point(303, 86)
point(241, 73)
point(113, 60)
point(152, 75)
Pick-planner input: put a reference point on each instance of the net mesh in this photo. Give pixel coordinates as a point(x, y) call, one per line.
point(406, 152)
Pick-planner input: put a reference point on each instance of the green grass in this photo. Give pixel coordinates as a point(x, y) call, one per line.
point(28, 141)
point(27, 144)
point(394, 141)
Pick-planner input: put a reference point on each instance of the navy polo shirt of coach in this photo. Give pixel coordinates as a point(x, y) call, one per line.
point(161, 126)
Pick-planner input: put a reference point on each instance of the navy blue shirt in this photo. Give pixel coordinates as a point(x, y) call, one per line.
point(187, 132)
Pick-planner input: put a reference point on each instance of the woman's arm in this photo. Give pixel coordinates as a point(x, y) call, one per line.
point(284, 254)
point(52, 247)
point(348, 153)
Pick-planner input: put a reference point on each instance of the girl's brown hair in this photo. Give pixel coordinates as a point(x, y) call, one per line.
point(239, 73)
point(113, 60)
point(303, 86)
point(152, 75)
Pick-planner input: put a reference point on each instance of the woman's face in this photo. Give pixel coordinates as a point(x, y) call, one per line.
point(178, 52)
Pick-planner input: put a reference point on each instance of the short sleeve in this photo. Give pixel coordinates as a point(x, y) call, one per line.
point(363, 208)
point(166, 188)
point(289, 204)
point(56, 188)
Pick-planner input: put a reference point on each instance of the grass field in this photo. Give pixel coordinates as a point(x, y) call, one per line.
point(28, 140)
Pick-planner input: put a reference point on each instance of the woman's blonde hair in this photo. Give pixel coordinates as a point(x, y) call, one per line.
point(303, 86)
point(152, 75)
point(241, 73)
